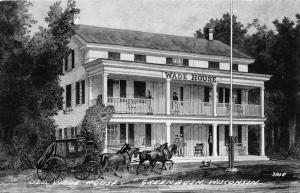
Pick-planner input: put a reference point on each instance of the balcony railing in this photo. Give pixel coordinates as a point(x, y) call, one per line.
point(153, 106)
point(191, 108)
point(241, 110)
point(137, 105)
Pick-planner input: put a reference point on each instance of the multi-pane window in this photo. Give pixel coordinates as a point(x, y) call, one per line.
point(69, 61)
point(139, 58)
point(170, 61)
point(60, 134)
point(112, 134)
point(114, 55)
point(213, 65)
point(69, 95)
point(185, 62)
point(235, 67)
point(80, 92)
point(66, 133)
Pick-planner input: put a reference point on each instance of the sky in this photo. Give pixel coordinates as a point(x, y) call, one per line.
point(174, 17)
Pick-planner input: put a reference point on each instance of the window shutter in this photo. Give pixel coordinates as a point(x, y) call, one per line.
point(82, 92)
point(66, 63)
point(73, 58)
point(77, 93)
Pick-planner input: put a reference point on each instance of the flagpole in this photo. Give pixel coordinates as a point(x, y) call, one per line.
point(231, 145)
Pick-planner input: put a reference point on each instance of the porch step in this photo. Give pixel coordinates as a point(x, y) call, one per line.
point(219, 158)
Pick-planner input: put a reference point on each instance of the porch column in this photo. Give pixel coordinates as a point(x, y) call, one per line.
point(262, 140)
point(168, 127)
point(127, 139)
point(168, 97)
point(215, 153)
point(90, 91)
point(215, 99)
point(105, 141)
point(262, 100)
point(104, 86)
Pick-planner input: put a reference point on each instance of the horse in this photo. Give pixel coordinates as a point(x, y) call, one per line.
point(123, 158)
point(161, 154)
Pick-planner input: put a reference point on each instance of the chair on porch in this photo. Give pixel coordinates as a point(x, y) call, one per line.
point(198, 149)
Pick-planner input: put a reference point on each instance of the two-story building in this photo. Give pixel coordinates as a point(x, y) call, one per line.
point(161, 86)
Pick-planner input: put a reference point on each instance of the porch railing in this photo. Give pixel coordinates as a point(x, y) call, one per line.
point(242, 110)
point(153, 106)
point(137, 105)
point(191, 108)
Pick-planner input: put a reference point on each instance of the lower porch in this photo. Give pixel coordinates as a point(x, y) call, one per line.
point(201, 141)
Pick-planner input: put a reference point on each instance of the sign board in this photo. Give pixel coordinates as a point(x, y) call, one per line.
point(190, 77)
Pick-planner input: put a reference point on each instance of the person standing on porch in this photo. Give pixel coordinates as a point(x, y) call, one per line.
point(180, 145)
point(210, 143)
point(176, 142)
point(175, 102)
point(148, 100)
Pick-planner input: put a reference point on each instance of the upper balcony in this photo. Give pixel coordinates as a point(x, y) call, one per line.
point(193, 108)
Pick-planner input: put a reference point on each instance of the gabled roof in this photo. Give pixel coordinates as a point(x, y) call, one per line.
point(101, 35)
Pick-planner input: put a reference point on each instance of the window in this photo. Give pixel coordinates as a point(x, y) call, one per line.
point(112, 134)
point(206, 94)
point(73, 132)
point(148, 135)
point(110, 87)
point(114, 55)
point(60, 134)
point(185, 62)
point(220, 94)
point(122, 133)
point(70, 61)
point(139, 89)
point(239, 134)
point(80, 92)
point(235, 67)
point(139, 58)
point(169, 61)
point(213, 65)
point(68, 95)
point(66, 133)
point(123, 88)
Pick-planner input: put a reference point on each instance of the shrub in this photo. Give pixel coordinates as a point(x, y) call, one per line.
point(96, 119)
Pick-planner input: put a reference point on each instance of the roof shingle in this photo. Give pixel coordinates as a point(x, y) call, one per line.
point(101, 35)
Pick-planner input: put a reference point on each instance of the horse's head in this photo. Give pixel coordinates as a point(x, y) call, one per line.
point(125, 148)
point(134, 151)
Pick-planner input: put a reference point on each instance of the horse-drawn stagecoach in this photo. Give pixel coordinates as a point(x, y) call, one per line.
point(81, 157)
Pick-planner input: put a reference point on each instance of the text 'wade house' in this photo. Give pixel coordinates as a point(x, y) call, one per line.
point(162, 86)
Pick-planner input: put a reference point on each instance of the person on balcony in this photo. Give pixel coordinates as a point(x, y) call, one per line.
point(175, 103)
point(149, 103)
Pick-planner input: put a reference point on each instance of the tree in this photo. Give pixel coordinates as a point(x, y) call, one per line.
point(30, 68)
point(222, 30)
point(95, 121)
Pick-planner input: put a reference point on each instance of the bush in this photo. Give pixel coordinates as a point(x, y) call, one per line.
point(24, 150)
point(96, 119)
